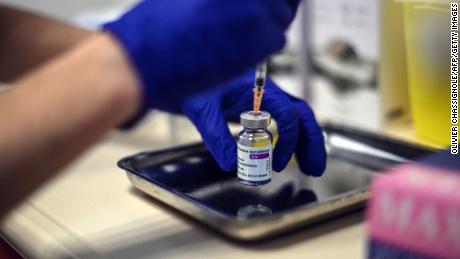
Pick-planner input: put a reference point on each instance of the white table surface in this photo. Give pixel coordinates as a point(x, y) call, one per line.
point(91, 206)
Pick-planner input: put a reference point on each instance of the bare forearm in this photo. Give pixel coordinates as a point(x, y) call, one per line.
point(28, 40)
point(54, 113)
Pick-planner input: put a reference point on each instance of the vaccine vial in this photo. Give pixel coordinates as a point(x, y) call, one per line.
point(255, 148)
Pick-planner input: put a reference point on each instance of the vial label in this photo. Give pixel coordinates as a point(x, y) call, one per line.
point(254, 163)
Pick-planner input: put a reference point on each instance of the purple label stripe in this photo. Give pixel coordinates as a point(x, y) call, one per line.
point(258, 156)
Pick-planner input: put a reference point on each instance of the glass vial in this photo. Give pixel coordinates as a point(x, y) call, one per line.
point(254, 148)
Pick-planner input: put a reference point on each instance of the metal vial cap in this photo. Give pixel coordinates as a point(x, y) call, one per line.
point(255, 120)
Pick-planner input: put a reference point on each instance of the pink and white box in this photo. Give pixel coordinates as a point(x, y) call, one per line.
point(414, 212)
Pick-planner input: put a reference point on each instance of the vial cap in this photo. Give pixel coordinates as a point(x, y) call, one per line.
point(254, 120)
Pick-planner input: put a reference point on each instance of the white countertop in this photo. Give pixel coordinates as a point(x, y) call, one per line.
point(92, 206)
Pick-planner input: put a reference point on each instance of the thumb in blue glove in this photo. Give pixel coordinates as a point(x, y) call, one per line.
point(180, 47)
point(298, 130)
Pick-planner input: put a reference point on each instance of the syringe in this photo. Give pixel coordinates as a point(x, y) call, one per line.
point(261, 73)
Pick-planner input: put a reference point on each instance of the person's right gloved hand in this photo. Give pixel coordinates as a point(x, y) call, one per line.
point(298, 130)
point(179, 47)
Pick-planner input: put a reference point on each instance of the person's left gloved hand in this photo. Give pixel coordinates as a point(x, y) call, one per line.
point(297, 128)
point(181, 47)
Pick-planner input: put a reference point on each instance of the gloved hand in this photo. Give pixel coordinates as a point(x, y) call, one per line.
point(297, 128)
point(179, 47)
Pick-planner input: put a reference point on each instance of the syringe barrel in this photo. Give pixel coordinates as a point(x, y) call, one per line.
point(261, 73)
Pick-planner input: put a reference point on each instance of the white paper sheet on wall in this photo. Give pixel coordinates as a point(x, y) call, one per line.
point(344, 54)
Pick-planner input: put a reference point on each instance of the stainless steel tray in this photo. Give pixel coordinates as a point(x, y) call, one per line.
point(187, 179)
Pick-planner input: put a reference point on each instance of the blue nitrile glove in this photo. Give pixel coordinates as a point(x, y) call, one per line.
point(297, 128)
point(182, 46)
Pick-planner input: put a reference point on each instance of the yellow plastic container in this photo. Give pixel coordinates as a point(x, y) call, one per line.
point(427, 38)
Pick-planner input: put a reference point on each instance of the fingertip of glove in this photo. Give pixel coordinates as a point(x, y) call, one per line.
point(318, 169)
point(314, 166)
point(278, 171)
point(228, 166)
point(278, 166)
point(283, 152)
point(228, 159)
